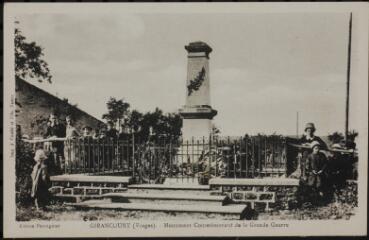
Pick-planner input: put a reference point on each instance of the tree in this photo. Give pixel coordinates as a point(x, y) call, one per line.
point(335, 137)
point(135, 120)
point(174, 122)
point(351, 136)
point(152, 120)
point(118, 110)
point(28, 64)
point(23, 167)
point(28, 59)
point(163, 125)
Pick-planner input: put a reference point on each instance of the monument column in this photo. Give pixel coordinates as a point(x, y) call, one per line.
point(197, 112)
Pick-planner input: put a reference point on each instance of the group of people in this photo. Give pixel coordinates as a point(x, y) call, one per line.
point(57, 152)
point(317, 168)
point(59, 134)
point(55, 129)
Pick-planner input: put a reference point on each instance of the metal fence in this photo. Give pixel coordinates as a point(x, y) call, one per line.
point(98, 156)
point(155, 159)
point(244, 157)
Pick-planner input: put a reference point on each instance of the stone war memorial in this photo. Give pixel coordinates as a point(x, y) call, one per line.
point(197, 112)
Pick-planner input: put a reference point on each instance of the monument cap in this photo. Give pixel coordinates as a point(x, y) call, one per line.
point(198, 47)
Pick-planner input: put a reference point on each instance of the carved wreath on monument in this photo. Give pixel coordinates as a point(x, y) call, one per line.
point(196, 83)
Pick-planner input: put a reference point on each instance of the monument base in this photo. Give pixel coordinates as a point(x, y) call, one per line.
point(197, 130)
point(196, 122)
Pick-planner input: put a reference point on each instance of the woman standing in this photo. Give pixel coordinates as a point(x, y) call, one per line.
point(307, 139)
point(310, 137)
point(40, 180)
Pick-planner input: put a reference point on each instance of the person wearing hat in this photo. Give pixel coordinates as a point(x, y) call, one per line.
point(307, 139)
point(40, 180)
point(315, 169)
point(309, 136)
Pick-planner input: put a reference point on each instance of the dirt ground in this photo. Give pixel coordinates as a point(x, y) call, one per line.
point(66, 213)
point(343, 206)
point(62, 212)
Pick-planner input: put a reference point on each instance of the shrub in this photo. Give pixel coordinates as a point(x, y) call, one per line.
point(23, 168)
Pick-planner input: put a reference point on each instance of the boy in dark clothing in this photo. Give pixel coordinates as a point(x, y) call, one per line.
point(87, 141)
point(56, 130)
point(316, 171)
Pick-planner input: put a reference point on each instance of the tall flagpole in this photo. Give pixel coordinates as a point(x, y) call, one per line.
point(348, 80)
point(297, 124)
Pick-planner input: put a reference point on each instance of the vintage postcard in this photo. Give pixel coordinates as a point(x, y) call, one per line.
point(196, 119)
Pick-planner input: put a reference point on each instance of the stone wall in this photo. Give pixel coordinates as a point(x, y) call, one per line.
point(33, 106)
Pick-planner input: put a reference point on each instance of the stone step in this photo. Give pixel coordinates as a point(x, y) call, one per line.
point(85, 191)
point(261, 182)
point(234, 210)
point(170, 189)
point(193, 187)
point(168, 198)
point(181, 180)
point(82, 179)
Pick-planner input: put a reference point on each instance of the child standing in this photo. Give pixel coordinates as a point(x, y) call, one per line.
point(316, 171)
point(40, 180)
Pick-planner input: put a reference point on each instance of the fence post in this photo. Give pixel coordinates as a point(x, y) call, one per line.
point(234, 159)
point(265, 155)
point(240, 153)
point(253, 155)
point(193, 156)
point(284, 157)
point(228, 157)
point(214, 156)
point(133, 156)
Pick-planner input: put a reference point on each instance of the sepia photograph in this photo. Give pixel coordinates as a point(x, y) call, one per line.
point(179, 120)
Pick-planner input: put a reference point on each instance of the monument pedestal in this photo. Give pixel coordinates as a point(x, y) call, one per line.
point(197, 124)
point(197, 112)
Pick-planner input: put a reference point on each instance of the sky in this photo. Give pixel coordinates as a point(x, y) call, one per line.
point(264, 68)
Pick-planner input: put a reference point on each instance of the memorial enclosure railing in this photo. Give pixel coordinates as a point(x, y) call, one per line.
point(243, 157)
